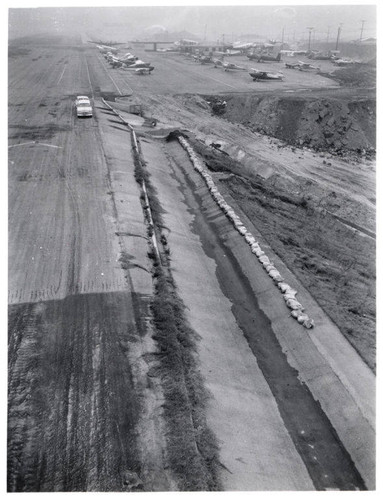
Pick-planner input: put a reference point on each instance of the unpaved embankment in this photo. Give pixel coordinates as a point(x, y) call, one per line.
point(322, 121)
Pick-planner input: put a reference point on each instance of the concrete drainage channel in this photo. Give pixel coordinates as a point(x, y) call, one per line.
point(192, 451)
point(289, 294)
point(327, 460)
point(183, 416)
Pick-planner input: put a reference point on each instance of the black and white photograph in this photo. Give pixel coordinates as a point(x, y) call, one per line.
point(191, 266)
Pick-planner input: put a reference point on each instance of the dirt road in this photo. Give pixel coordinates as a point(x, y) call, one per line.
point(77, 319)
point(85, 406)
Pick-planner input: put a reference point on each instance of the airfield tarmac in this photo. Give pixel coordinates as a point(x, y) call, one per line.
point(84, 413)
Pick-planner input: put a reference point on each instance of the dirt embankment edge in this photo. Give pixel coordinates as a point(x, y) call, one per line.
point(339, 123)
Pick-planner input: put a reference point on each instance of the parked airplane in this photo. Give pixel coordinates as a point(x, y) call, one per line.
point(105, 48)
point(343, 62)
point(232, 66)
point(126, 60)
point(138, 65)
point(322, 56)
point(144, 71)
point(205, 60)
point(218, 63)
point(300, 65)
point(115, 62)
point(242, 45)
point(257, 75)
point(264, 56)
point(228, 53)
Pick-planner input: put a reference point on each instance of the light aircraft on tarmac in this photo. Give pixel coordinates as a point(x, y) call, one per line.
point(232, 66)
point(228, 53)
point(300, 65)
point(104, 49)
point(264, 56)
point(205, 60)
point(144, 71)
point(243, 45)
point(343, 62)
point(218, 63)
point(257, 75)
point(138, 65)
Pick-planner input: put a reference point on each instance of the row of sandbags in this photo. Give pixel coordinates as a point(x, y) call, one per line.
point(289, 294)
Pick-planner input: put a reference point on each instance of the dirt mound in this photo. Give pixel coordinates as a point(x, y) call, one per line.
point(340, 123)
point(356, 75)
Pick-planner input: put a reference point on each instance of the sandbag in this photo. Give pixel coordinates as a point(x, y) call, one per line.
point(264, 259)
point(294, 304)
point(309, 323)
point(269, 267)
point(276, 276)
point(302, 318)
point(290, 294)
point(258, 252)
point(284, 287)
point(249, 238)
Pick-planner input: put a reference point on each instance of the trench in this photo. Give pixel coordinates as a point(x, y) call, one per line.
point(327, 461)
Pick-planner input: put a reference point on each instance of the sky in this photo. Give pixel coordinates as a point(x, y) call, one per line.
point(217, 21)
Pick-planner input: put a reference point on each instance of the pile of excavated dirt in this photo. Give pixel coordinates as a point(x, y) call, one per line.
point(339, 122)
point(355, 75)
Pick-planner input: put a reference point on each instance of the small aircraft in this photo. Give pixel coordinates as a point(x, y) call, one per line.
point(343, 62)
point(264, 56)
point(228, 52)
point(300, 65)
point(205, 60)
point(243, 45)
point(105, 48)
point(232, 66)
point(115, 62)
point(218, 63)
point(138, 65)
point(320, 56)
point(257, 75)
point(144, 71)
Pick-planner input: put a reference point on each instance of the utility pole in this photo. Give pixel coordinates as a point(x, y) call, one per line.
point(283, 35)
point(310, 30)
point(337, 38)
point(361, 29)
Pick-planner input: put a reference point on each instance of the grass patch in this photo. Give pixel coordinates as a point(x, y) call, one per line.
point(192, 448)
